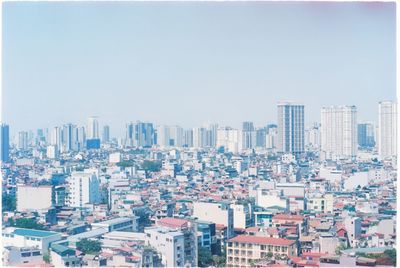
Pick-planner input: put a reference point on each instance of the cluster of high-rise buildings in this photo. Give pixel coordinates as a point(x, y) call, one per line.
point(339, 134)
point(281, 195)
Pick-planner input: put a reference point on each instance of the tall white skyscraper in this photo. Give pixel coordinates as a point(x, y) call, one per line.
point(22, 140)
point(313, 137)
point(339, 131)
point(163, 135)
point(387, 129)
point(176, 136)
point(199, 137)
point(290, 128)
point(228, 138)
point(93, 128)
point(211, 134)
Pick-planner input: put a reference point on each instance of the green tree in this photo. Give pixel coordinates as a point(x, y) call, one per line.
point(152, 166)
point(219, 261)
point(128, 163)
point(28, 223)
point(89, 246)
point(204, 257)
point(47, 258)
point(339, 249)
point(8, 202)
point(391, 253)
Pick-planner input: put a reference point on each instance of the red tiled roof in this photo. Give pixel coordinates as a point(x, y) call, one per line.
point(288, 217)
point(220, 226)
point(253, 229)
point(172, 222)
point(313, 254)
point(262, 240)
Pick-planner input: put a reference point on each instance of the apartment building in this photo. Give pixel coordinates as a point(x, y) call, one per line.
point(244, 250)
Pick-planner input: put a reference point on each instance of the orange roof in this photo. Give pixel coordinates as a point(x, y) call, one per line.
point(172, 222)
point(262, 240)
point(288, 217)
point(253, 229)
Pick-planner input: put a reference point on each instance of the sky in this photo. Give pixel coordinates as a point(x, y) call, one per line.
point(188, 63)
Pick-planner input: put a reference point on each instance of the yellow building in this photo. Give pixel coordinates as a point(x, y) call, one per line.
point(243, 250)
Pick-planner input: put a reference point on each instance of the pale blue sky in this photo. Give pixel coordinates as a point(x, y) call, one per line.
point(188, 63)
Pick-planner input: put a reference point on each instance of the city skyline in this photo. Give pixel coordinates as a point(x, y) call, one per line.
point(84, 122)
point(142, 65)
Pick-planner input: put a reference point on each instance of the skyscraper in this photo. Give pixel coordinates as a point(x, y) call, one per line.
point(4, 143)
point(290, 128)
point(22, 140)
point(228, 138)
point(140, 134)
point(69, 138)
point(387, 140)
point(93, 128)
point(199, 137)
point(188, 138)
point(261, 137)
point(339, 131)
point(176, 136)
point(313, 137)
point(106, 134)
point(248, 135)
point(366, 135)
point(163, 135)
point(211, 135)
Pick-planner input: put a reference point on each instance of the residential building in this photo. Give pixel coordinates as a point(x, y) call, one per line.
point(243, 250)
point(339, 131)
point(387, 136)
point(83, 188)
point(290, 128)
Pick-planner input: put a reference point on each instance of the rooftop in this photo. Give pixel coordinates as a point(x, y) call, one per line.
point(262, 240)
point(33, 233)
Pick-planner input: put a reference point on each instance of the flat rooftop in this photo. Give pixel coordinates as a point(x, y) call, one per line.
point(113, 221)
point(33, 233)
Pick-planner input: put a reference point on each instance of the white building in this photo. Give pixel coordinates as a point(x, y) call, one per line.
point(19, 237)
point(34, 198)
point(18, 256)
point(353, 228)
point(93, 128)
point(313, 137)
point(339, 131)
point(242, 215)
point(271, 198)
point(229, 138)
point(117, 224)
point(22, 140)
point(52, 151)
point(171, 244)
point(387, 135)
point(83, 188)
point(219, 213)
point(290, 128)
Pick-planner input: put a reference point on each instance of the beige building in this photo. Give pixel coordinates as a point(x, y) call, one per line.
point(321, 203)
point(243, 250)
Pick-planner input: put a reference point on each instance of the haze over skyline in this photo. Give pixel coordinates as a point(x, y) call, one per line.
point(188, 63)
